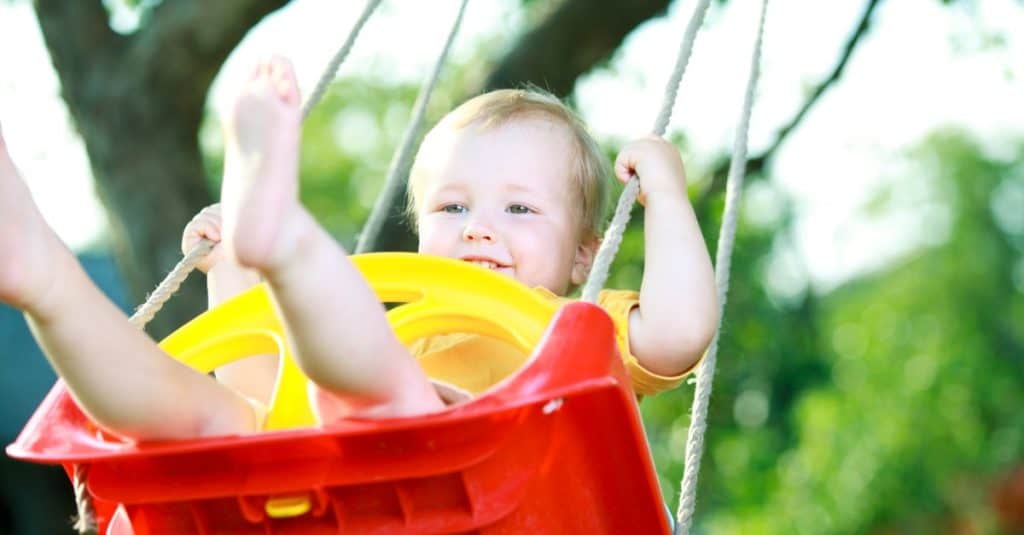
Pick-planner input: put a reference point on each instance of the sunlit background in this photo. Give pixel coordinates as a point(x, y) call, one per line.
point(871, 362)
point(924, 66)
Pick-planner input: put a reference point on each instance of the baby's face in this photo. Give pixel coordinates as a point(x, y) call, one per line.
point(501, 197)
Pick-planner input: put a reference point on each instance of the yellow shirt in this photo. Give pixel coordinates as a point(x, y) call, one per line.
point(475, 363)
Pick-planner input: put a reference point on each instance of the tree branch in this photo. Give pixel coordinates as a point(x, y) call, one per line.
point(757, 164)
point(571, 41)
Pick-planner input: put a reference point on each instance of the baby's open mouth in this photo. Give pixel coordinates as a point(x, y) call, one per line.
point(486, 263)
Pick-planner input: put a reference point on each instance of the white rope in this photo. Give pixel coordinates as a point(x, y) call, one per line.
point(339, 57)
point(402, 160)
point(169, 286)
point(85, 521)
point(723, 263)
point(613, 236)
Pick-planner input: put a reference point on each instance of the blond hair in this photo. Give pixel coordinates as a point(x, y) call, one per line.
point(588, 167)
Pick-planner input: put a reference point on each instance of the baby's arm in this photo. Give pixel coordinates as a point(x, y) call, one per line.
point(678, 311)
point(253, 377)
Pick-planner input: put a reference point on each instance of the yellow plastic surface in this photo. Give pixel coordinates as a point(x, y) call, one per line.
point(288, 506)
point(442, 295)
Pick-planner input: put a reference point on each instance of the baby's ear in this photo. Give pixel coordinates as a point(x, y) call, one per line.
point(585, 253)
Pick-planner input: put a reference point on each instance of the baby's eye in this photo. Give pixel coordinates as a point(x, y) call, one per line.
point(518, 209)
point(454, 208)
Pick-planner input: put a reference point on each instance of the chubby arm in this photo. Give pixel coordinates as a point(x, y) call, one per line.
point(678, 312)
point(253, 377)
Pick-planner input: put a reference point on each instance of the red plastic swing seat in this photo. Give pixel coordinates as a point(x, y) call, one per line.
point(558, 448)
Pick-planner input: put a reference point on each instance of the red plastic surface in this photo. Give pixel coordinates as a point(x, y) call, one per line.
point(558, 448)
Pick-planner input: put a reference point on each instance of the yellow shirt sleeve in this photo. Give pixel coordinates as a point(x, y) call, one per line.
point(618, 304)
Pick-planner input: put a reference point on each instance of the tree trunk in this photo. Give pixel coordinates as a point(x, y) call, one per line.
point(576, 37)
point(138, 101)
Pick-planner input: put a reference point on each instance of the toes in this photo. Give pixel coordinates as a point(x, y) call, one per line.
point(281, 69)
point(282, 75)
point(260, 71)
point(276, 75)
point(288, 92)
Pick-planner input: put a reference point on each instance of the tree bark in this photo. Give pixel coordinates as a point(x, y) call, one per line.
point(576, 37)
point(137, 101)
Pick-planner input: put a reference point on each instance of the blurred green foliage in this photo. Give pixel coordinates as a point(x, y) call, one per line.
point(889, 404)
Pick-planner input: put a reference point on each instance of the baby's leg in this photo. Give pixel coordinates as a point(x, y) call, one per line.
point(336, 325)
point(115, 371)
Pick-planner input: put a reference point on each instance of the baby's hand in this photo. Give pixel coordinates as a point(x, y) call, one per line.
point(205, 225)
point(656, 163)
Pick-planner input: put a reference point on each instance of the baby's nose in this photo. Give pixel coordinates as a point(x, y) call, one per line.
point(476, 232)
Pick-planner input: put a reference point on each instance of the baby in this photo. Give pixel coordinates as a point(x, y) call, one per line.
point(510, 181)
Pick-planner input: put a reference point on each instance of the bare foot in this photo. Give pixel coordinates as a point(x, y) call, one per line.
point(260, 189)
point(29, 250)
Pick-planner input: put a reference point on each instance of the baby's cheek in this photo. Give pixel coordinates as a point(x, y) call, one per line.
point(429, 236)
point(431, 244)
point(545, 234)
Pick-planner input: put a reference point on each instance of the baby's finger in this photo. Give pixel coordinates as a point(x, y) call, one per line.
point(625, 167)
point(204, 228)
point(209, 218)
point(211, 259)
point(195, 232)
point(213, 209)
point(210, 232)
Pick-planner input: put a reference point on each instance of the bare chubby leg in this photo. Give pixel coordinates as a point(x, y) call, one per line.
point(118, 374)
point(336, 326)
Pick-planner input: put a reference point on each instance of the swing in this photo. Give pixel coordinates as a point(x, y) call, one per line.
point(520, 457)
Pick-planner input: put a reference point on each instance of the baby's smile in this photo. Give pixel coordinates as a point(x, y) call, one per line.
point(490, 263)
